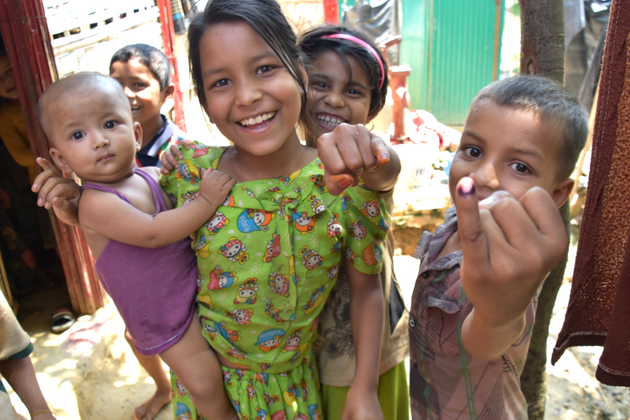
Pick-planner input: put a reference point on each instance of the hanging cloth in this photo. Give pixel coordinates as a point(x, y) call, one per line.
point(598, 313)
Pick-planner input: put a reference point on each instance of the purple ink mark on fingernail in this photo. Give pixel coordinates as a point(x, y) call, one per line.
point(466, 187)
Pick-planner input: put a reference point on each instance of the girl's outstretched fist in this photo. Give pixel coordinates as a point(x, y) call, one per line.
point(353, 151)
point(56, 192)
point(509, 247)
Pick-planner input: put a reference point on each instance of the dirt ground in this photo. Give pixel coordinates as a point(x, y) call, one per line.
point(90, 373)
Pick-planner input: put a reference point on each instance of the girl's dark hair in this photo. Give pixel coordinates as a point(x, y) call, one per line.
point(154, 59)
point(313, 44)
point(266, 19)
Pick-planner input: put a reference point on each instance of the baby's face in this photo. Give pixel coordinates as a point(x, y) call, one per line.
point(93, 134)
point(506, 148)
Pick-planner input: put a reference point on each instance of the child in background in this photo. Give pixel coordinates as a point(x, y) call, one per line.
point(270, 256)
point(475, 297)
point(12, 125)
point(17, 368)
point(348, 84)
point(145, 75)
point(27, 240)
point(88, 120)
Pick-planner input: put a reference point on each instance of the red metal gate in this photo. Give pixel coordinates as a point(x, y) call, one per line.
point(25, 34)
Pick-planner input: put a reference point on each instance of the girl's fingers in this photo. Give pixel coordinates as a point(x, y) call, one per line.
point(379, 149)
point(336, 184)
point(49, 170)
point(187, 145)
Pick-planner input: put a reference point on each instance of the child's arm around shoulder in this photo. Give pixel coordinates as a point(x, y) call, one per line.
point(135, 227)
point(509, 247)
point(350, 151)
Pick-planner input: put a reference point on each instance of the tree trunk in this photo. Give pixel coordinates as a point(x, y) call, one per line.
point(542, 54)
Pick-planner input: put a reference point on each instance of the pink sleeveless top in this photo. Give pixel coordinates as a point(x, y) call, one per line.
point(154, 289)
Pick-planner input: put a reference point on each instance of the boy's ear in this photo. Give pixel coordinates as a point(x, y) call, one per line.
point(562, 191)
point(167, 92)
point(60, 161)
point(137, 132)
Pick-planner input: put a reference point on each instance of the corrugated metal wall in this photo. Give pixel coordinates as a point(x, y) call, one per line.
point(462, 55)
point(450, 46)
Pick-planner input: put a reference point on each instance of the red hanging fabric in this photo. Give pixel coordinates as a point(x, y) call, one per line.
point(598, 313)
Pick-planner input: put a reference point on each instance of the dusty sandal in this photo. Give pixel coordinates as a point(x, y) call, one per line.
point(61, 320)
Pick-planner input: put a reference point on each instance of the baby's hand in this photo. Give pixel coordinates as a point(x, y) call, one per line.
point(56, 192)
point(215, 186)
point(509, 246)
point(170, 158)
point(347, 152)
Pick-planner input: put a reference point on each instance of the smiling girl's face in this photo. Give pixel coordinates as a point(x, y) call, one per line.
point(250, 95)
point(339, 93)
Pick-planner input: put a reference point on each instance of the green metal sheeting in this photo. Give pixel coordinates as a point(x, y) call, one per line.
point(453, 48)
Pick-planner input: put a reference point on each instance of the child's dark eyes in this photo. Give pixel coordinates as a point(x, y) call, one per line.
point(77, 135)
point(319, 85)
point(473, 152)
point(521, 168)
point(110, 124)
point(221, 82)
point(265, 69)
point(355, 92)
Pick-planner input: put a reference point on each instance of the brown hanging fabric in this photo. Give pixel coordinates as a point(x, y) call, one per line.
point(599, 308)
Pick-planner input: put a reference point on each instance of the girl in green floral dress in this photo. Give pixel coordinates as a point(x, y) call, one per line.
point(269, 256)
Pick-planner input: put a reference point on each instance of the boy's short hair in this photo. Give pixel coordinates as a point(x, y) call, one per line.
point(554, 104)
point(154, 59)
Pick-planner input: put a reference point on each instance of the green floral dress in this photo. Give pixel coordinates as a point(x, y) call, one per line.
point(267, 261)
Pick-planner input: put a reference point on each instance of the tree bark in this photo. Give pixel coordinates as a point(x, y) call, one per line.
point(542, 54)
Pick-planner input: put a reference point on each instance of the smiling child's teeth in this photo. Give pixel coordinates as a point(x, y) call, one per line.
point(259, 119)
point(332, 121)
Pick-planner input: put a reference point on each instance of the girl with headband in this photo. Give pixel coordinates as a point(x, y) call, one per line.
point(348, 84)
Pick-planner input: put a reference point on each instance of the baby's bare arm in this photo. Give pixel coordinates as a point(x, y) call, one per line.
point(134, 227)
point(509, 246)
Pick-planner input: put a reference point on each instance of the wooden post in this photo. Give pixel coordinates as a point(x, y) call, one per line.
point(27, 41)
point(542, 54)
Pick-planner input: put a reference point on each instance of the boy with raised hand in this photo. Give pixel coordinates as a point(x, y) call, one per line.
point(475, 297)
